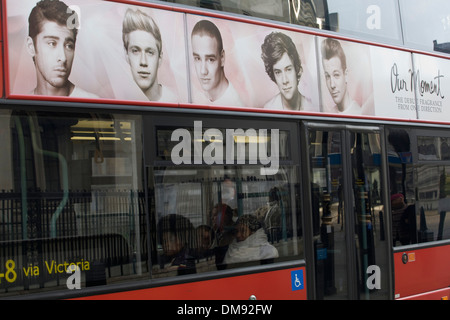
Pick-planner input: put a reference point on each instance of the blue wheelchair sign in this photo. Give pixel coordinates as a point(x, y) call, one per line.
point(297, 280)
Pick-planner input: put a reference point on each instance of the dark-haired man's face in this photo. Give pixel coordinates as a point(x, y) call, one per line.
point(54, 50)
point(286, 77)
point(335, 78)
point(208, 61)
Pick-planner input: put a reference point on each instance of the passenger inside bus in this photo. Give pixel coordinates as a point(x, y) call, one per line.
point(176, 236)
point(204, 242)
point(403, 220)
point(223, 228)
point(251, 242)
point(270, 215)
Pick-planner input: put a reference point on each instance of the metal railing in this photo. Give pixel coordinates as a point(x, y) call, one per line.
point(101, 231)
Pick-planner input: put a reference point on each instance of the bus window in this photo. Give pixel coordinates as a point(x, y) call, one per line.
point(431, 36)
point(402, 195)
point(72, 197)
point(419, 186)
point(433, 192)
point(377, 19)
point(271, 9)
point(221, 216)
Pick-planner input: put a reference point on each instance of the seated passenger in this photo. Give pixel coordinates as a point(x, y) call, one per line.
point(223, 228)
point(270, 214)
point(176, 235)
point(403, 220)
point(204, 241)
point(250, 243)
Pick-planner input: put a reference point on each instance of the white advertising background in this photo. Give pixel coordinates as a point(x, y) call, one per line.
point(432, 78)
point(393, 94)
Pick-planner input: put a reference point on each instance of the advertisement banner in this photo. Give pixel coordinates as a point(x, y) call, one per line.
point(393, 91)
point(95, 49)
point(124, 53)
point(245, 65)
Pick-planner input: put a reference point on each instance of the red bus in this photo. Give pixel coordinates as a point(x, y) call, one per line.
point(224, 150)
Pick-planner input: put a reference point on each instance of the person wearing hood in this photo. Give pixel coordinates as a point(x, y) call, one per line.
point(250, 243)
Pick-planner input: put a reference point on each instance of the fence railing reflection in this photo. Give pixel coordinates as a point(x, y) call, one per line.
point(102, 231)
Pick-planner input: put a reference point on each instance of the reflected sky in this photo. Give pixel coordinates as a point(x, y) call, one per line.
point(425, 21)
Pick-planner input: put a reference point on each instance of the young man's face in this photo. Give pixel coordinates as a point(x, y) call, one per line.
point(336, 78)
point(54, 49)
point(144, 58)
point(285, 77)
point(208, 61)
point(171, 244)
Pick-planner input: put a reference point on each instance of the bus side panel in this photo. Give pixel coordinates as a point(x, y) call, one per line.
point(443, 294)
point(271, 285)
point(426, 270)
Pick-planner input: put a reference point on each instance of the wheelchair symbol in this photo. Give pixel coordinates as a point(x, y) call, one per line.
point(297, 280)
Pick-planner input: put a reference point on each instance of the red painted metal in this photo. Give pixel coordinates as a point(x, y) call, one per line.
point(271, 285)
point(426, 271)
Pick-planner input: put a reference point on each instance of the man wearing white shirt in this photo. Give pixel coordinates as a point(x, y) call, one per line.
point(209, 62)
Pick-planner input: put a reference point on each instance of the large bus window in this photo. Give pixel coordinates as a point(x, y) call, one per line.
point(221, 217)
point(433, 192)
point(433, 186)
point(71, 197)
point(270, 9)
point(419, 185)
point(212, 215)
point(401, 186)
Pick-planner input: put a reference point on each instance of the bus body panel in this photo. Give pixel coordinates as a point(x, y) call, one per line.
point(442, 294)
point(425, 271)
point(272, 285)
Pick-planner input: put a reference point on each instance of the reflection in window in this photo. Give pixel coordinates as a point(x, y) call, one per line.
point(433, 192)
point(232, 215)
point(376, 19)
point(432, 35)
point(433, 148)
point(73, 197)
point(402, 192)
point(420, 193)
point(271, 9)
